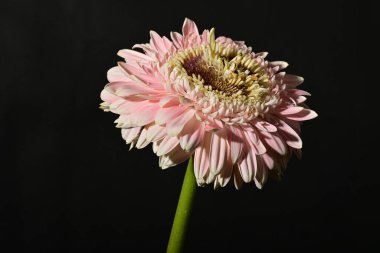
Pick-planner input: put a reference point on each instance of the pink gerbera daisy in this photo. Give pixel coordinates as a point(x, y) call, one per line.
point(237, 113)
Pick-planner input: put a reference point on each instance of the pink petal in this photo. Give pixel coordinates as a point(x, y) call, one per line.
point(268, 160)
point(177, 39)
point(167, 145)
point(291, 110)
point(157, 42)
point(148, 49)
point(142, 142)
point(236, 141)
point(115, 74)
point(139, 75)
point(201, 157)
point(155, 145)
point(191, 135)
point(130, 106)
point(205, 37)
point(298, 99)
point(210, 177)
point(264, 125)
point(261, 173)
point(169, 101)
point(212, 123)
point(293, 124)
point(305, 114)
point(219, 151)
point(166, 114)
point(254, 142)
point(167, 43)
point(189, 27)
point(225, 176)
point(175, 126)
point(133, 55)
point(262, 54)
point(274, 141)
point(125, 89)
point(280, 64)
point(155, 132)
point(216, 183)
point(247, 166)
point(109, 97)
point(176, 156)
point(238, 181)
point(298, 92)
point(292, 80)
point(291, 137)
point(143, 116)
point(130, 134)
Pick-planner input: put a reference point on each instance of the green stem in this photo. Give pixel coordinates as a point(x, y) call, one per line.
point(182, 215)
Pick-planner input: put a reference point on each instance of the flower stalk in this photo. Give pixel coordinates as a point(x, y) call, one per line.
point(183, 212)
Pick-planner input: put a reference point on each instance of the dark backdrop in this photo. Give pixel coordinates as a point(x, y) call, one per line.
point(69, 183)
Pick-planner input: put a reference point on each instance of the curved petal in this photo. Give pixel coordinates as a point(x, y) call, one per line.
point(298, 92)
point(274, 141)
point(155, 145)
point(201, 158)
point(236, 141)
point(142, 142)
point(177, 39)
point(263, 125)
point(291, 110)
point(261, 173)
point(176, 156)
point(297, 99)
point(109, 97)
point(167, 43)
point(175, 126)
point(219, 151)
point(143, 116)
point(169, 101)
point(130, 105)
point(189, 27)
point(292, 81)
point(157, 42)
point(238, 180)
point(133, 55)
point(225, 176)
point(191, 135)
point(115, 74)
point(130, 134)
point(247, 166)
point(291, 137)
point(155, 133)
point(125, 89)
point(268, 160)
point(254, 142)
point(167, 145)
point(139, 75)
point(280, 64)
point(305, 114)
point(168, 113)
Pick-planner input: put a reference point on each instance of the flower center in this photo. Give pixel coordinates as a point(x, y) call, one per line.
point(223, 70)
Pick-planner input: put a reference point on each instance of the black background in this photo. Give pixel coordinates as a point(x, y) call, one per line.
point(69, 183)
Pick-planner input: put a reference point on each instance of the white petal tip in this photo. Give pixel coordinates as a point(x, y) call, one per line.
point(313, 114)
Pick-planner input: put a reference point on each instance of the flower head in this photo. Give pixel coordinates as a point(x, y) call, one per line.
point(237, 113)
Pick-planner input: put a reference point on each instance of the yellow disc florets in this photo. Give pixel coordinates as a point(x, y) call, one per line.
point(224, 71)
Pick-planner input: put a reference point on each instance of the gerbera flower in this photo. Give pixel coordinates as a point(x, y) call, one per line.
point(237, 113)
